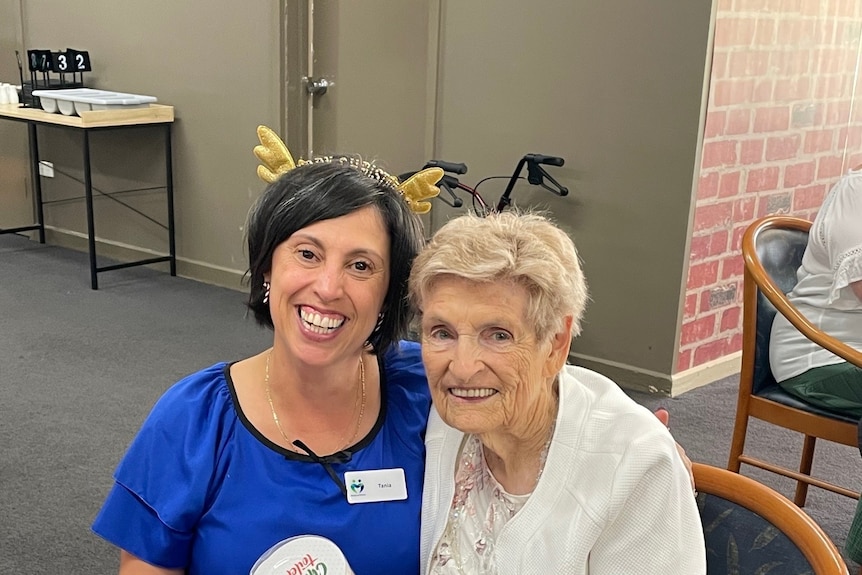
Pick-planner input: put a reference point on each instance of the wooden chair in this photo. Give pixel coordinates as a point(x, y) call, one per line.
point(772, 248)
point(750, 528)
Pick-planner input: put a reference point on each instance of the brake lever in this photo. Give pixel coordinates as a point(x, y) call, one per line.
point(445, 184)
point(536, 175)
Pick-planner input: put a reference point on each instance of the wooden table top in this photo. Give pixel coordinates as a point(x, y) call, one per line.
point(153, 114)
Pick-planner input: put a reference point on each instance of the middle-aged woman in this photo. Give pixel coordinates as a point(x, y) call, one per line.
point(236, 457)
point(532, 466)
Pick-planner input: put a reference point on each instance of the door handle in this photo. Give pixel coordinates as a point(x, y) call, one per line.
point(317, 87)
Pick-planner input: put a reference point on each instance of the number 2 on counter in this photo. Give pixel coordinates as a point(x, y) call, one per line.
point(79, 60)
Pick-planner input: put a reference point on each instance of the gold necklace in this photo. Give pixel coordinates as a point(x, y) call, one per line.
point(278, 423)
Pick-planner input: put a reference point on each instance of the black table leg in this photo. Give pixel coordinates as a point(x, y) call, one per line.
point(37, 180)
point(169, 188)
point(91, 228)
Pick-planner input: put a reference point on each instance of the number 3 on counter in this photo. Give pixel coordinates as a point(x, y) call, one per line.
point(70, 61)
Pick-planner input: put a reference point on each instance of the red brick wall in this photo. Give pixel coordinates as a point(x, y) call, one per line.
point(783, 122)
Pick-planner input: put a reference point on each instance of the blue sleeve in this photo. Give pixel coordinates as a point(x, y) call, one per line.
point(132, 525)
point(163, 482)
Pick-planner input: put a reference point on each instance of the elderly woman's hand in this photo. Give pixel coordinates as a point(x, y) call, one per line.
point(664, 416)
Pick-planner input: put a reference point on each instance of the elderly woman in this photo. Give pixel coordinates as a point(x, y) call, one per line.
point(533, 466)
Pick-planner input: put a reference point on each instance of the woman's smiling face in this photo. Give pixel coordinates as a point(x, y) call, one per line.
point(487, 370)
point(328, 282)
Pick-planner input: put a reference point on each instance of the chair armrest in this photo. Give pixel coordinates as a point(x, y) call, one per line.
point(779, 299)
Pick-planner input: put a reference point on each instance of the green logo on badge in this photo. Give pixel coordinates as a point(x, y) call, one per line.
point(356, 486)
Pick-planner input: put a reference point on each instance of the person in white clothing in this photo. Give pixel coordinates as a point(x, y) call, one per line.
point(829, 294)
point(533, 466)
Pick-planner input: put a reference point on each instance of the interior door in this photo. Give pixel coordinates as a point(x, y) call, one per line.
point(360, 78)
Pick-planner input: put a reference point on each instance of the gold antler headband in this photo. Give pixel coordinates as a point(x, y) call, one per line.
point(276, 160)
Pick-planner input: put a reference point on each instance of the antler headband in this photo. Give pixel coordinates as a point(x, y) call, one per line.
point(276, 160)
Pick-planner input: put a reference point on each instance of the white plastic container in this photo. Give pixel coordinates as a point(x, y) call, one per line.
point(67, 107)
point(77, 100)
point(82, 107)
point(48, 104)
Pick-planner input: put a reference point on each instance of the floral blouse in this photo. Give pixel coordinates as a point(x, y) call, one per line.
point(480, 509)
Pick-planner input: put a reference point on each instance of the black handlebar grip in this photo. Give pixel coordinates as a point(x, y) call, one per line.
point(543, 159)
point(455, 168)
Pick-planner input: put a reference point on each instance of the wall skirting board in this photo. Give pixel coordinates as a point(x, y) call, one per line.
point(646, 381)
point(706, 373)
point(187, 268)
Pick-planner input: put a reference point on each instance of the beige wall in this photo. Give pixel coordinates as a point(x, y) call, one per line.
point(615, 87)
point(217, 64)
point(15, 198)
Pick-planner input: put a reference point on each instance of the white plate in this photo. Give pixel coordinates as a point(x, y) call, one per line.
point(302, 554)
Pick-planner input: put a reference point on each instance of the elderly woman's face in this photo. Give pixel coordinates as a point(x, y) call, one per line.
point(487, 370)
point(329, 281)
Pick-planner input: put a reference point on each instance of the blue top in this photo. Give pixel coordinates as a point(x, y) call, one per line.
point(201, 489)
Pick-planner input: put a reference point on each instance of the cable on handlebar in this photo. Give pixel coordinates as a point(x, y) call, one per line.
point(536, 176)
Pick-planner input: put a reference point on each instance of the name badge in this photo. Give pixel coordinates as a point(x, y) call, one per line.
point(375, 485)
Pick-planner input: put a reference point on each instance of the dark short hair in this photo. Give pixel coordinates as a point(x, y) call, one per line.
point(322, 191)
